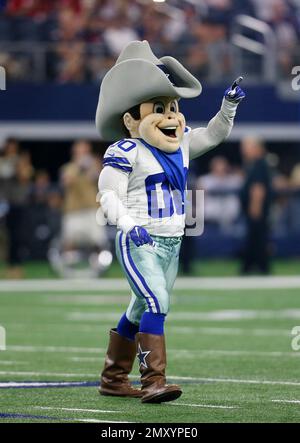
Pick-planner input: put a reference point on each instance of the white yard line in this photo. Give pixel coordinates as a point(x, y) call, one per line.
point(58, 349)
point(174, 353)
point(85, 300)
point(93, 411)
point(189, 316)
point(206, 283)
point(236, 314)
point(93, 420)
point(47, 374)
point(203, 406)
point(170, 377)
point(17, 384)
point(228, 331)
point(12, 362)
point(190, 353)
point(93, 326)
point(238, 283)
point(93, 316)
point(296, 402)
point(58, 285)
point(85, 359)
point(236, 381)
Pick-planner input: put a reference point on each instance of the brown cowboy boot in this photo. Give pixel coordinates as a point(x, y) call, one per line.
point(152, 357)
point(118, 364)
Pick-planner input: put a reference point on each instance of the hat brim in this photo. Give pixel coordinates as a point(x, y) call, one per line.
point(135, 81)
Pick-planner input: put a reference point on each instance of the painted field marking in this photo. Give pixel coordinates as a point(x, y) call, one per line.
point(204, 406)
point(59, 419)
point(219, 315)
point(63, 349)
point(238, 283)
point(84, 359)
point(28, 416)
point(236, 380)
point(296, 402)
point(13, 362)
point(172, 352)
point(93, 300)
point(229, 331)
point(105, 284)
point(59, 384)
point(94, 411)
point(90, 327)
point(93, 420)
point(92, 316)
point(171, 377)
point(62, 285)
point(189, 353)
point(46, 374)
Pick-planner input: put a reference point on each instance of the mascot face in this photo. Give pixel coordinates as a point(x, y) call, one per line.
point(160, 124)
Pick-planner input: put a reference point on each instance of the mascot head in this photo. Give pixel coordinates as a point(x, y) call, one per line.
point(139, 98)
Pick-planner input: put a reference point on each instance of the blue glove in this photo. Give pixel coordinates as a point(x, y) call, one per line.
point(235, 94)
point(140, 236)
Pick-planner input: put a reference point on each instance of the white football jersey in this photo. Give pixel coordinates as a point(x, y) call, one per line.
point(150, 200)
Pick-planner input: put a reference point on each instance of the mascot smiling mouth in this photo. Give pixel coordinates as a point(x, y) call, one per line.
point(169, 131)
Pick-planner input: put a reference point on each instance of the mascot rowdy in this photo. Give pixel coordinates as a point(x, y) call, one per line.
point(142, 190)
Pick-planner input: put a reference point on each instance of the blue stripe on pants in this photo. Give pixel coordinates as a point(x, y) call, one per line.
point(135, 276)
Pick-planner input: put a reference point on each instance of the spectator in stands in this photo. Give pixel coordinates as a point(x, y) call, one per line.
point(197, 60)
point(255, 200)
point(282, 17)
point(221, 186)
point(284, 25)
point(79, 180)
point(90, 33)
point(118, 35)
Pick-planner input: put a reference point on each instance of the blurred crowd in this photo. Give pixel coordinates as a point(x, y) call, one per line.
point(240, 200)
point(224, 182)
point(83, 37)
point(34, 211)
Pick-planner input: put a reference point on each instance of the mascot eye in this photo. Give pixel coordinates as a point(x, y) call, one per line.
point(159, 108)
point(173, 107)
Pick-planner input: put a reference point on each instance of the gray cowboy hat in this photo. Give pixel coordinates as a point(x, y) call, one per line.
point(136, 77)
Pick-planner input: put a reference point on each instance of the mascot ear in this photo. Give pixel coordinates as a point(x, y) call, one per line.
point(129, 121)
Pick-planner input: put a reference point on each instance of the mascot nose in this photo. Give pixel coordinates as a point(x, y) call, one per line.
point(171, 115)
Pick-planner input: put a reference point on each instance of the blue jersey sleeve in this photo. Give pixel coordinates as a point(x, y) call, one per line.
point(121, 155)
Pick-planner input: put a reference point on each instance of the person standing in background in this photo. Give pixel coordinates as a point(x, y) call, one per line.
point(221, 185)
point(18, 196)
point(79, 181)
point(255, 201)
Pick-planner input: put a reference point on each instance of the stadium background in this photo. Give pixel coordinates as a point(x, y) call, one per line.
point(55, 54)
point(233, 342)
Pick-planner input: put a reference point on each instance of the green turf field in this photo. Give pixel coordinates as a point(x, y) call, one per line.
point(230, 349)
point(200, 268)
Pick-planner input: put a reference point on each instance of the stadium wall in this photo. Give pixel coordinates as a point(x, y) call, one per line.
point(53, 102)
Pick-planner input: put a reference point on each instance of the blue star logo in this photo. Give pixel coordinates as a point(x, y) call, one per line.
point(141, 355)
